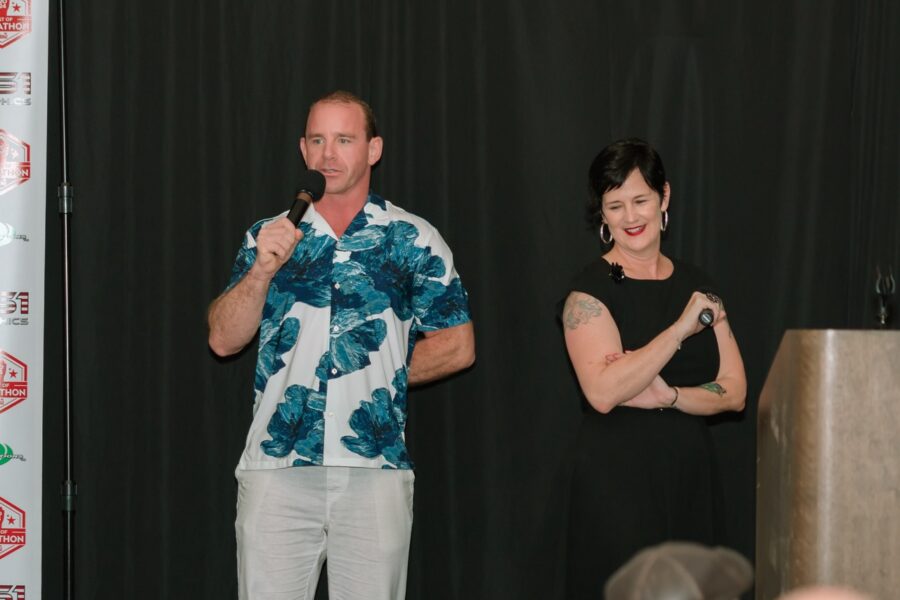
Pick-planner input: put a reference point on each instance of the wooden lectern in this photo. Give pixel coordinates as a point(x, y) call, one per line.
point(828, 464)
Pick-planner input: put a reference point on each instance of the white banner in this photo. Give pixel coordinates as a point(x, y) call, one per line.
point(24, 37)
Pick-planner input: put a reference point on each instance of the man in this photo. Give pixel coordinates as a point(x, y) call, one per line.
point(358, 302)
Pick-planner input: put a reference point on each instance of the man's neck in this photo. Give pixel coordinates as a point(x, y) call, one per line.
point(339, 210)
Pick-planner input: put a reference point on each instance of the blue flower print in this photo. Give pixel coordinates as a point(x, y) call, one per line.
point(297, 281)
point(400, 383)
point(277, 335)
point(366, 238)
point(432, 267)
point(298, 425)
point(242, 263)
point(356, 290)
point(439, 306)
point(310, 265)
point(378, 432)
point(392, 269)
point(352, 339)
point(273, 344)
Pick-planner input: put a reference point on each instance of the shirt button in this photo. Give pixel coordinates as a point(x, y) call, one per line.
point(337, 286)
point(331, 414)
point(335, 328)
point(334, 371)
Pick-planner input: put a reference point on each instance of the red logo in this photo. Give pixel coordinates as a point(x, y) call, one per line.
point(15, 20)
point(15, 90)
point(13, 302)
point(15, 161)
point(15, 82)
point(12, 527)
point(12, 592)
point(13, 381)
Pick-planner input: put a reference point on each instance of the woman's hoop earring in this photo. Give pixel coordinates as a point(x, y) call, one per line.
point(665, 220)
point(605, 240)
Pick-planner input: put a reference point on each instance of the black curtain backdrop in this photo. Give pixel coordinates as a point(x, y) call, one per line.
point(779, 127)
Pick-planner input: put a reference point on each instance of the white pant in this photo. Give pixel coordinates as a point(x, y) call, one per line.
point(290, 520)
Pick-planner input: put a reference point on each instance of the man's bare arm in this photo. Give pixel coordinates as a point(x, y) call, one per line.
point(234, 316)
point(441, 353)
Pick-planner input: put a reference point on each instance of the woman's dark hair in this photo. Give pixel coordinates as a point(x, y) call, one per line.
point(614, 164)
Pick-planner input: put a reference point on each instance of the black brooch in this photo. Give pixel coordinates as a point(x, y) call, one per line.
point(616, 272)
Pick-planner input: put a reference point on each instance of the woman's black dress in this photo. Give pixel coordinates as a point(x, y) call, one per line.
point(641, 477)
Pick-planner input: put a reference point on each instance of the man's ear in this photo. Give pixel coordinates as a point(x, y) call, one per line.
point(376, 145)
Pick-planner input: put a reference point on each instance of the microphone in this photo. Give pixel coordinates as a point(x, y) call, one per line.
point(309, 190)
point(706, 315)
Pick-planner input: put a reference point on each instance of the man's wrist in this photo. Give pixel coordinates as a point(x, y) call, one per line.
point(258, 275)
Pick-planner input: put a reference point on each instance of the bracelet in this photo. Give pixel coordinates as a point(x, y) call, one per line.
point(674, 387)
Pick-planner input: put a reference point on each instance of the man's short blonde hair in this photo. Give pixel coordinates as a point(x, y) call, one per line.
point(345, 97)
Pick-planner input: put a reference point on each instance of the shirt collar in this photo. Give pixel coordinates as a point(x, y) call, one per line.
point(374, 211)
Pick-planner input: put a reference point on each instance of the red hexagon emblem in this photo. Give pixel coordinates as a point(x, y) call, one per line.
point(13, 381)
point(12, 527)
point(15, 161)
point(15, 20)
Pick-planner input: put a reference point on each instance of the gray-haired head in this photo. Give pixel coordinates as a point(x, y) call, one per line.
point(681, 571)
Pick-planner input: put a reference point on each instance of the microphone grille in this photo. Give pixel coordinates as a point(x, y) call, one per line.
point(313, 183)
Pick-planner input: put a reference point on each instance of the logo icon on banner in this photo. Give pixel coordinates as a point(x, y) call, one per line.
point(15, 161)
point(15, 90)
point(16, 305)
point(12, 527)
point(13, 381)
point(8, 234)
point(12, 592)
point(7, 454)
point(15, 20)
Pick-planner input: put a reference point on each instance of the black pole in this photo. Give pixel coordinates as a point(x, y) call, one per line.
point(66, 197)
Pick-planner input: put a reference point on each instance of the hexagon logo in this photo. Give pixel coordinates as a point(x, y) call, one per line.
point(15, 161)
point(12, 527)
point(13, 381)
point(15, 20)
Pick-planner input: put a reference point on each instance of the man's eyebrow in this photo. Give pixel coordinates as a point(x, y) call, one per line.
point(338, 134)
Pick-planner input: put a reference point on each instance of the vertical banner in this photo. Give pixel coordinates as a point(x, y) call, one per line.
point(24, 38)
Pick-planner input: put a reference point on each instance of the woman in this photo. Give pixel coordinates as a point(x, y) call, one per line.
point(650, 371)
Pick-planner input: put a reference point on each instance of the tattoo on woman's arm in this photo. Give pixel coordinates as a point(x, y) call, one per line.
point(580, 310)
point(715, 388)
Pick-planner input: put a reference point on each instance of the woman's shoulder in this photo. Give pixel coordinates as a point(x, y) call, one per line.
point(594, 279)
